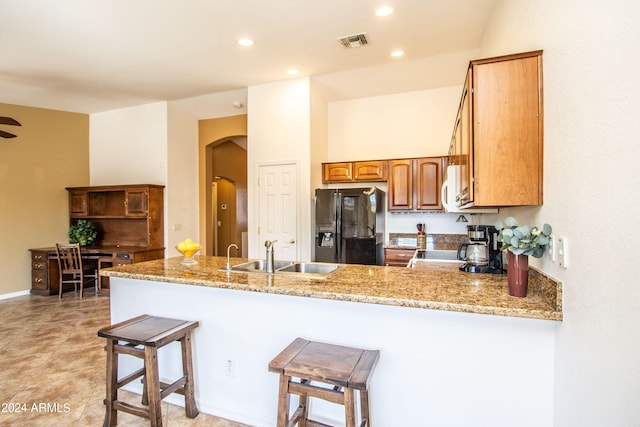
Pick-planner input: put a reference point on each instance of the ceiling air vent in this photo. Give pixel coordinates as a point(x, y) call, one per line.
point(355, 40)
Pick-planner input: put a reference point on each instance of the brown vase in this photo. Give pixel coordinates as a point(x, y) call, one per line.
point(517, 274)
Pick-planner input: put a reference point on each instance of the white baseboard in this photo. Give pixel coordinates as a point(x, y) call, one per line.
point(14, 294)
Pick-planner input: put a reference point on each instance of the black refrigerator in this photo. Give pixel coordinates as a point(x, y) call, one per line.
point(349, 225)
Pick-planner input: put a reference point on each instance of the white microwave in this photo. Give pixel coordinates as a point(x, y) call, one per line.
point(452, 189)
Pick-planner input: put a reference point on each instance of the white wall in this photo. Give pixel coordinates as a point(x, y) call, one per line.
point(409, 124)
point(279, 120)
point(151, 144)
point(436, 368)
point(592, 99)
point(403, 125)
point(181, 193)
point(129, 145)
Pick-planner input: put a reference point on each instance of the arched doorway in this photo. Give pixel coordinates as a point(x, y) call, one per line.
point(227, 201)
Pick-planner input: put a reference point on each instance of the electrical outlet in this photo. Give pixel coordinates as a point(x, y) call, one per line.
point(229, 368)
point(562, 248)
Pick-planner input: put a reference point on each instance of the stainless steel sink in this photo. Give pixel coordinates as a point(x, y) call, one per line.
point(315, 270)
point(259, 266)
point(310, 268)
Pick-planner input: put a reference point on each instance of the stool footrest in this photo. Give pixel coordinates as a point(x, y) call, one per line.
point(330, 395)
point(132, 376)
point(313, 423)
point(176, 387)
point(119, 405)
point(129, 349)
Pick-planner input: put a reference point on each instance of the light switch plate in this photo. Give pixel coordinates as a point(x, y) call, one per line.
point(562, 248)
point(551, 248)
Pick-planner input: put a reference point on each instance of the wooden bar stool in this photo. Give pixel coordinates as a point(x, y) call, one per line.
point(141, 337)
point(343, 369)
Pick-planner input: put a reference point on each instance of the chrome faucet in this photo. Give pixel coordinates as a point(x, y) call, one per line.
point(269, 258)
point(229, 255)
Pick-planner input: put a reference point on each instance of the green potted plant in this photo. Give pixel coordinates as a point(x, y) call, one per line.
point(83, 232)
point(520, 241)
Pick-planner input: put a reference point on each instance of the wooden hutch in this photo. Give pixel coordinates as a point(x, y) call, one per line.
point(130, 224)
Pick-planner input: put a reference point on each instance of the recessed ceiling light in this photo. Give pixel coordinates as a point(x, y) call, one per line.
point(246, 42)
point(397, 53)
point(293, 72)
point(384, 11)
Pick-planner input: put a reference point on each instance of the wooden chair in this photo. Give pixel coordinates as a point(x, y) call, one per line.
point(330, 372)
point(71, 268)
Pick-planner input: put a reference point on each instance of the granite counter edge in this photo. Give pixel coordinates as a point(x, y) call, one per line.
point(550, 314)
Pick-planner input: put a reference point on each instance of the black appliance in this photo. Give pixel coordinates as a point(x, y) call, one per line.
point(482, 252)
point(349, 225)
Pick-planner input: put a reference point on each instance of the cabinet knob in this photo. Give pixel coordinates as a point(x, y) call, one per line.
point(38, 265)
point(38, 280)
point(38, 257)
point(292, 241)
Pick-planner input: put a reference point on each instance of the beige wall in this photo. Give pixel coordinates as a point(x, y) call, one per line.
point(210, 131)
point(409, 124)
point(50, 152)
point(591, 178)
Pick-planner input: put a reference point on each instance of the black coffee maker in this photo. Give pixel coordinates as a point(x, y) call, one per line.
point(482, 252)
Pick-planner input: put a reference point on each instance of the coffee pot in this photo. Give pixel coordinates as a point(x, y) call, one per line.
point(481, 253)
point(474, 253)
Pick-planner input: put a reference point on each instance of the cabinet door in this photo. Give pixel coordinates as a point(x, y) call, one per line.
point(398, 257)
point(369, 171)
point(507, 132)
point(428, 183)
point(465, 145)
point(78, 204)
point(337, 172)
point(135, 202)
point(400, 185)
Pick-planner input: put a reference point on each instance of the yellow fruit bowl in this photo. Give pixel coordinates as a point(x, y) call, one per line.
point(188, 248)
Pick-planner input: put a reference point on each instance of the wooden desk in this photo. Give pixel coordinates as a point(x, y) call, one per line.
point(45, 276)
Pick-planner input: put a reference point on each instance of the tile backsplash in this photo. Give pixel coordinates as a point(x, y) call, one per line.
point(440, 242)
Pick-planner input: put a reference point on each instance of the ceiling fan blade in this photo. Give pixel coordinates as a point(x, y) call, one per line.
point(9, 121)
point(6, 134)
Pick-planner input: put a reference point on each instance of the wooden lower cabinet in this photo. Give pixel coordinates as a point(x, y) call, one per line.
point(398, 257)
point(41, 271)
point(45, 275)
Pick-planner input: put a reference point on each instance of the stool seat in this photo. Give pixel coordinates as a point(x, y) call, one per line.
point(141, 337)
point(347, 369)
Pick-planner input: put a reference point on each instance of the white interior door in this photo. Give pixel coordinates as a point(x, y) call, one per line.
point(278, 209)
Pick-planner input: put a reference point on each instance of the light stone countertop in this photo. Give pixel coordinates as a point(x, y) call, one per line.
point(430, 285)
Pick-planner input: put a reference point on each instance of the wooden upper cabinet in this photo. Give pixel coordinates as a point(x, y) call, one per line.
point(124, 215)
point(78, 203)
point(374, 170)
point(337, 172)
point(428, 183)
point(135, 201)
point(400, 185)
point(415, 184)
point(361, 171)
point(506, 116)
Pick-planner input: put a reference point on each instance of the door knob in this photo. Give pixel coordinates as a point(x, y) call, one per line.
point(292, 241)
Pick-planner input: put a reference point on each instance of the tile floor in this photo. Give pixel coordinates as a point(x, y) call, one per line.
point(52, 369)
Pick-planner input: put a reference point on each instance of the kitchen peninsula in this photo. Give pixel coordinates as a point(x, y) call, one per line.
point(455, 348)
